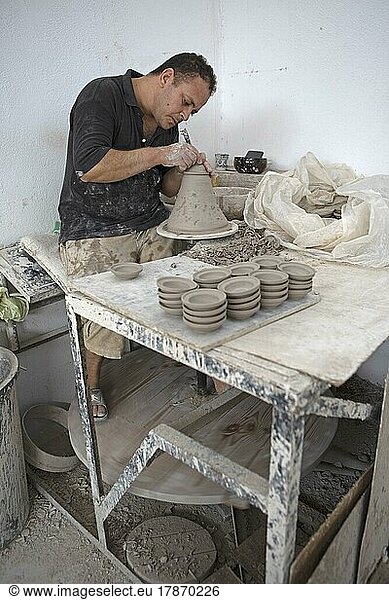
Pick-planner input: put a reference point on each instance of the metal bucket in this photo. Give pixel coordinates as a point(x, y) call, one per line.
point(14, 502)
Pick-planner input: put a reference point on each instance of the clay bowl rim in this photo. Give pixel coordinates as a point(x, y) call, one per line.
point(169, 296)
point(294, 295)
point(250, 286)
point(219, 298)
point(210, 313)
point(274, 302)
point(252, 268)
point(245, 305)
point(126, 270)
point(206, 319)
point(171, 311)
point(165, 284)
point(243, 314)
point(210, 286)
point(198, 275)
point(304, 285)
point(273, 295)
point(170, 303)
point(205, 328)
point(241, 300)
point(274, 288)
point(302, 271)
point(257, 260)
point(271, 277)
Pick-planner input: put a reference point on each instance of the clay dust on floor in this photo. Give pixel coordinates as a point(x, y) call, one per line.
point(52, 550)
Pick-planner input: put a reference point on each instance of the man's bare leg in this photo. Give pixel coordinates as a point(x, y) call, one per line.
point(93, 367)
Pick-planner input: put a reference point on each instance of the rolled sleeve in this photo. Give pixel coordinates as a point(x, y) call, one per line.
point(93, 132)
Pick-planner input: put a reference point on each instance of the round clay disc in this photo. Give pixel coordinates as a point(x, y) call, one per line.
point(170, 550)
point(229, 229)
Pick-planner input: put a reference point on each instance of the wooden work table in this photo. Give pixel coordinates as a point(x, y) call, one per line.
point(289, 363)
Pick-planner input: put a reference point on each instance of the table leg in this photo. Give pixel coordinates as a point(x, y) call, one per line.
point(287, 438)
point(87, 422)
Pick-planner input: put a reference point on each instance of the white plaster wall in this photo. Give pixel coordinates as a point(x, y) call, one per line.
point(50, 50)
point(300, 75)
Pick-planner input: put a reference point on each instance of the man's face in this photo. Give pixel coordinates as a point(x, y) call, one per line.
point(176, 103)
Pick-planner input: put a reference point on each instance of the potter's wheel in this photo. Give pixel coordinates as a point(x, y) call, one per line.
point(144, 389)
point(229, 229)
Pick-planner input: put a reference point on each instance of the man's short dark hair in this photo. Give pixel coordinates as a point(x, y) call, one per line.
point(187, 65)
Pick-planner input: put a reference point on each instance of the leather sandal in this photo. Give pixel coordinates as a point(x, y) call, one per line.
point(97, 399)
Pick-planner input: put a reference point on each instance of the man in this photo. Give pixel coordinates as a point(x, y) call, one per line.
point(122, 151)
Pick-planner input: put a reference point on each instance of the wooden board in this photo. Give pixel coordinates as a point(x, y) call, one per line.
point(376, 536)
point(340, 563)
point(333, 338)
point(144, 389)
point(138, 300)
point(331, 554)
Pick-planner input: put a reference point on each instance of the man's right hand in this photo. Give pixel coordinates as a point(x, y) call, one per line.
point(181, 155)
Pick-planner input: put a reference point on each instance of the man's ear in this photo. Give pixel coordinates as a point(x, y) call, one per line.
point(166, 77)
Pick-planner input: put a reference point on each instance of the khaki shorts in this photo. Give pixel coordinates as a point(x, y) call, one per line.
point(95, 255)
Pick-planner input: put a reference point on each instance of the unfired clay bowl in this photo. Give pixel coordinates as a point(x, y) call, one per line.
point(211, 275)
point(267, 262)
point(176, 284)
point(205, 327)
point(203, 299)
point(171, 303)
point(170, 297)
point(127, 271)
point(273, 302)
point(271, 277)
point(294, 295)
point(244, 268)
point(239, 287)
point(207, 313)
point(238, 301)
point(240, 315)
point(171, 311)
point(244, 305)
point(297, 270)
point(204, 320)
point(303, 285)
point(267, 295)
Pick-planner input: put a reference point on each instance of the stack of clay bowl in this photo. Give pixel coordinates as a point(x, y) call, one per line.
point(204, 310)
point(243, 296)
point(274, 287)
point(243, 268)
point(300, 278)
point(170, 290)
point(211, 277)
point(267, 262)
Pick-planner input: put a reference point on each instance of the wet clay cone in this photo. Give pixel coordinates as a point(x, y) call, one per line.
point(196, 210)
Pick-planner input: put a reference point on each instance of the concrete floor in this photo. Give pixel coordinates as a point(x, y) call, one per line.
point(51, 550)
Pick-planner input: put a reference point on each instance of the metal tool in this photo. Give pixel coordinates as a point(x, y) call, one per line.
point(185, 135)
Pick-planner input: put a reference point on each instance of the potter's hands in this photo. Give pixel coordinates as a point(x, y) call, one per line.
point(183, 156)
